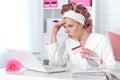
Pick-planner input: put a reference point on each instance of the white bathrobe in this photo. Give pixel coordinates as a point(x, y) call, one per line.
point(97, 43)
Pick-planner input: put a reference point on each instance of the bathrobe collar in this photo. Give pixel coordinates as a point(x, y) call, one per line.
point(91, 39)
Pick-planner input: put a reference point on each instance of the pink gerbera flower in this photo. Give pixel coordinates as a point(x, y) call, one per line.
point(13, 65)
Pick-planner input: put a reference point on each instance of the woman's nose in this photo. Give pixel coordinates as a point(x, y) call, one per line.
point(67, 30)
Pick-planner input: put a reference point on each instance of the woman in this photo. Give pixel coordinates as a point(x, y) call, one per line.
point(78, 26)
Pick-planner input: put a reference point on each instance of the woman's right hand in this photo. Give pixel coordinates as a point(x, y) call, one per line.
point(55, 30)
point(57, 27)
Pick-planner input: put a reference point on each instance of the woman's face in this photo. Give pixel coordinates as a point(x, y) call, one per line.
point(73, 28)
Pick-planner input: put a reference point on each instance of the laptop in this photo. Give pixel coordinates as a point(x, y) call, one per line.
point(29, 61)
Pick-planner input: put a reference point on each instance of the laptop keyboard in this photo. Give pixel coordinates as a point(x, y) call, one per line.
point(51, 67)
point(56, 68)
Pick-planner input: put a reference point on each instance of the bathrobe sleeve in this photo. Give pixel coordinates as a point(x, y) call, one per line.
point(107, 55)
point(101, 48)
point(58, 56)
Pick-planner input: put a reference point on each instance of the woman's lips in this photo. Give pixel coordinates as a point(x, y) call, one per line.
point(70, 36)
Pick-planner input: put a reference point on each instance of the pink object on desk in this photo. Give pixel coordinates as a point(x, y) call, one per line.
point(13, 65)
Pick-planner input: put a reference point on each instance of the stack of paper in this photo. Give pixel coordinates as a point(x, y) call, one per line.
point(90, 73)
point(116, 73)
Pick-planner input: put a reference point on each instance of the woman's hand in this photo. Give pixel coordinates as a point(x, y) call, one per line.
point(55, 30)
point(86, 52)
point(57, 27)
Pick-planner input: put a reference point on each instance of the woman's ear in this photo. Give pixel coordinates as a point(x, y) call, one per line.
point(82, 26)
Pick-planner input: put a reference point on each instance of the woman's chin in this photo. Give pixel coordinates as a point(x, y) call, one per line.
point(72, 38)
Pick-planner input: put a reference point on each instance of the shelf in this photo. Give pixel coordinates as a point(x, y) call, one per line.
point(51, 8)
point(60, 8)
point(48, 34)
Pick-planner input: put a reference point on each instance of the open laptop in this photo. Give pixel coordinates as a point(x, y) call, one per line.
point(29, 61)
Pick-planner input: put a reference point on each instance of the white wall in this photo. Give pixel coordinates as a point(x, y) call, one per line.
point(33, 18)
point(20, 24)
point(13, 32)
point(107, 15)
point(19, 27)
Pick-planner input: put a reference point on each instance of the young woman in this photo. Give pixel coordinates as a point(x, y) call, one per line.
point(81, 46)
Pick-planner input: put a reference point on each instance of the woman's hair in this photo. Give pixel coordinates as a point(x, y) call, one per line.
point(79, 9)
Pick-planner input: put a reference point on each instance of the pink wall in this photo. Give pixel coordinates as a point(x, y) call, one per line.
point(86, 3)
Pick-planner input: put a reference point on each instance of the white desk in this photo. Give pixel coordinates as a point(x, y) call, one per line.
point(32, 75)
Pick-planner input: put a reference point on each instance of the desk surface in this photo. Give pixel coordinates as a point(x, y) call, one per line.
point(32, 75)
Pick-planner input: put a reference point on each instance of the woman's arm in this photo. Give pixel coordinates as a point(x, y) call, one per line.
point(55, 30)
point(57, 54)
point(107, 54)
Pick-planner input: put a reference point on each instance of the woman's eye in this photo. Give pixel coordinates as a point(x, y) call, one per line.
point(70, 25)
point(64, 26)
